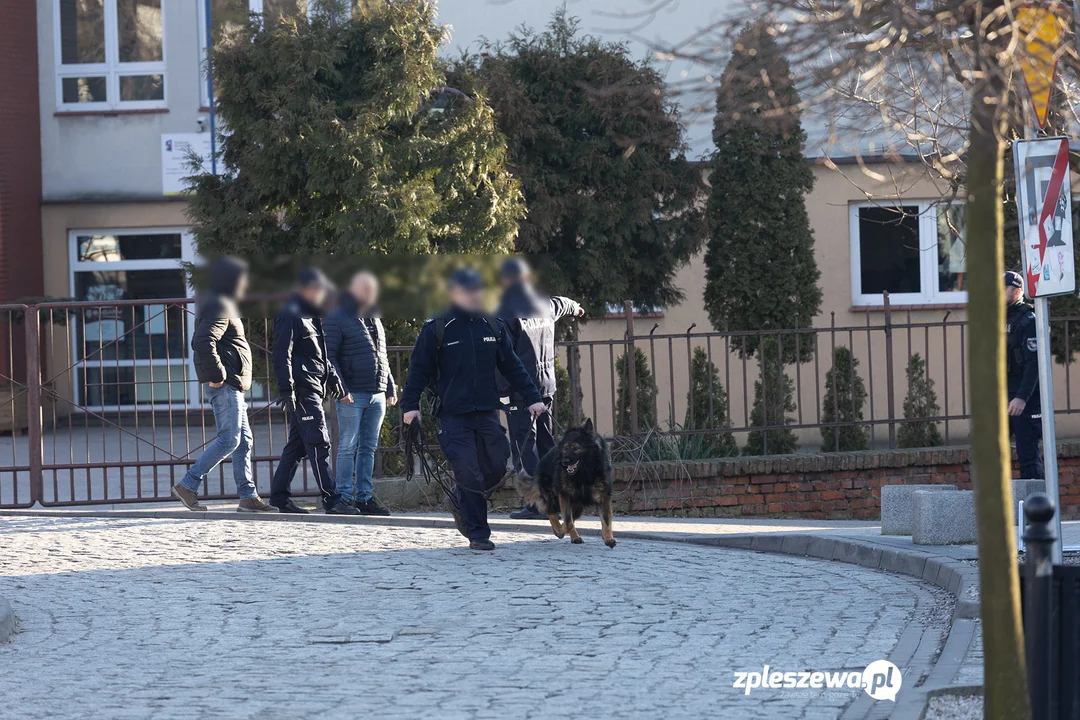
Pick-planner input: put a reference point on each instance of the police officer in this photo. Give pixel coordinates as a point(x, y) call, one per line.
point(1022, 358)
point(530, 318)
point(460, 351)
point(304, 377)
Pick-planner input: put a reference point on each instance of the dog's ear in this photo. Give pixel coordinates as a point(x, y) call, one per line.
point(588, 426)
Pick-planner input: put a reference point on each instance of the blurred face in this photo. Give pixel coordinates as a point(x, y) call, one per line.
point(466, 299)
point(1012, 294)
point(365, 288)
point(314, 294)
point(241, 286)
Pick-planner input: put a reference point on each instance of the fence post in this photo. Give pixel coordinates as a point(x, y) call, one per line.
point(33, 401)
point(890, 390)
point(631, 366)
point(573, 358)
point(1039, 537)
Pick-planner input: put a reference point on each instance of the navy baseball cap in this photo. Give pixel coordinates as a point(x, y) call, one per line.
point(514, 269)
point(467, 278)
point(313, 276)
point(1014, 279)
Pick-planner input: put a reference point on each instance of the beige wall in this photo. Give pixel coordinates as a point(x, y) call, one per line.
point(828, 208)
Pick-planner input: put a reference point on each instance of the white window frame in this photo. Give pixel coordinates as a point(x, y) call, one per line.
point(928, 259)
point(187, 255)
point(112, 69)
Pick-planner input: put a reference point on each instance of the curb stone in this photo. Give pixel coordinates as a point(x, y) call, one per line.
point(958, 578)
point(7, 620)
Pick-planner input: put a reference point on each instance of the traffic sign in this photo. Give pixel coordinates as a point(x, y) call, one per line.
point(1044, 204)
point(1043, 29)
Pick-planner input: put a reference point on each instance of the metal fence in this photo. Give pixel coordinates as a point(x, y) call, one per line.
point(99, 403)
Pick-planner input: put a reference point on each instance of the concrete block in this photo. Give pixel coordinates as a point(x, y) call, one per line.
point(1021, 489)
point(898, 506)
point(944, 518)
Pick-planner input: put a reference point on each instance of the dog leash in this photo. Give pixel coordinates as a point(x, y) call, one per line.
point(417, 453)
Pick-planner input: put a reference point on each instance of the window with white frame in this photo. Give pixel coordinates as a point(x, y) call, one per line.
point(110, 54)
point(916, 251)
point(228, 15)
point(131, 355)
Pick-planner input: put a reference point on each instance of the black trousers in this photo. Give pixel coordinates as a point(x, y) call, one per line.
point(1027, 428)
point(310, 438)
point(530, 439)
point(477, 448)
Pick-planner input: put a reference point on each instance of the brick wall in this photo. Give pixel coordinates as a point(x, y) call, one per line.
point(830, 486)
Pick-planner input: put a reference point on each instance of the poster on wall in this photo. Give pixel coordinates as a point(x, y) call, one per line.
point(1044, 206)
point(176, 151)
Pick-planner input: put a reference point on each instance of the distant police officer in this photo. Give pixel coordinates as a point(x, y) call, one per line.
point(530, 318)
point(1021, 348)
point(459, 351)
point(304, 377)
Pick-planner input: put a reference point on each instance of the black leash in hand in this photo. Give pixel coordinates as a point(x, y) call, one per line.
point(417, 453)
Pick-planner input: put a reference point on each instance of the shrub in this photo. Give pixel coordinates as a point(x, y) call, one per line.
point(921, 402)
point(845, 396)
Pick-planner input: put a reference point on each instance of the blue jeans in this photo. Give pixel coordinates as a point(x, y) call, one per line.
point(358, 436)
point(233, 438)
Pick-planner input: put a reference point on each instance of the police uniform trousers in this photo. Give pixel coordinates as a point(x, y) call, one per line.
point(310, 438)
point(477, 448)
point(530, 439)
point(1027, 427)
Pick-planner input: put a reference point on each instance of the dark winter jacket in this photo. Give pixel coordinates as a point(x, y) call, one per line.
point(464, 368)
point(530, 318)
point(219, 346)
point(358, 356)
point(299, 353)
point(1022, 355)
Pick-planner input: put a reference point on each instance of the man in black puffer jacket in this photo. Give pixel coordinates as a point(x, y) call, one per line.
point(356, 346)
point(223, 361)
point(530, 317)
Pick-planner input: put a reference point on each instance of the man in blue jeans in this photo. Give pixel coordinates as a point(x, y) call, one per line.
point(356, 346)
point(223, 361)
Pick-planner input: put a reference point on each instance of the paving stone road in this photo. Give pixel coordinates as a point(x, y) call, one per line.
point(123, 618)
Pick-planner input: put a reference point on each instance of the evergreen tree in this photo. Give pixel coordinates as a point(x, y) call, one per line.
point(774, 398)
point(645, 391)
point(564, 411)
point(595, 139)
point(709, 400)
point(842, 407)
point(342, 139)
point(921, 402)
point(760, 268)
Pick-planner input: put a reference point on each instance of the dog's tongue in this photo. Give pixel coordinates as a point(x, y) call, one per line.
point(572, 468)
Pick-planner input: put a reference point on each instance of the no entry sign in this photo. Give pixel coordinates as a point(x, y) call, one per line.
point(1044, 202)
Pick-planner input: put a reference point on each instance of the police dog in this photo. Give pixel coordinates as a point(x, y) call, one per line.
point(574, 474)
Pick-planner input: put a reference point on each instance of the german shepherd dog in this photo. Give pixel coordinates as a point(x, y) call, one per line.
point(576, 473)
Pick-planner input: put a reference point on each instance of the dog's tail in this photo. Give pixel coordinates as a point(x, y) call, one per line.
point(528, 486)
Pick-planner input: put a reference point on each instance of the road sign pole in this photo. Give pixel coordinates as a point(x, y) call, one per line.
point(1049, 432)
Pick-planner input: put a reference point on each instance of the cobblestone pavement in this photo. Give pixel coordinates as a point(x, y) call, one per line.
point(125, 618)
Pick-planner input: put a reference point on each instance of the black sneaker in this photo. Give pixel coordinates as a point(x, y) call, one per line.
point(290, 507)
point(529, 512)
point(341, 508)
point(481, 545)
point(371, 507)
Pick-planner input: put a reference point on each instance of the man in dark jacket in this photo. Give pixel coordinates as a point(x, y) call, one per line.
point(356, 346)
point(530, 318)
point(223, 361)
point(1022, 371)
point(460, 351)
point(304, 378)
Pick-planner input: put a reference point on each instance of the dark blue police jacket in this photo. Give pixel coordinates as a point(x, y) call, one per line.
point(1022, 356)
point(530, 318)
point(464, 368)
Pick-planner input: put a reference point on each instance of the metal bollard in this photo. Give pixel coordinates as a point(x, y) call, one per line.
point(1039, 537)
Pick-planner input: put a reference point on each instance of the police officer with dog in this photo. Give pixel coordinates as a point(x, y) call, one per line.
point(530, 317)
point(305, 376)
point(458, 353)
point(1022, 360)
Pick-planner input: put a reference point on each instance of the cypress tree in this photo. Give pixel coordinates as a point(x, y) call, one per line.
point(774, 398)
point(760, 268)
point(646, 392)
point(842, 406)
point(920, 402)
point(709, 400)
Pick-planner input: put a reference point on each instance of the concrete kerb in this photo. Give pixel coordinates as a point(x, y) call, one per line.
point(7, 620)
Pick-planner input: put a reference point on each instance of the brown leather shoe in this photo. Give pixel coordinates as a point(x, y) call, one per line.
point(189, 498)
point(255, 505)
